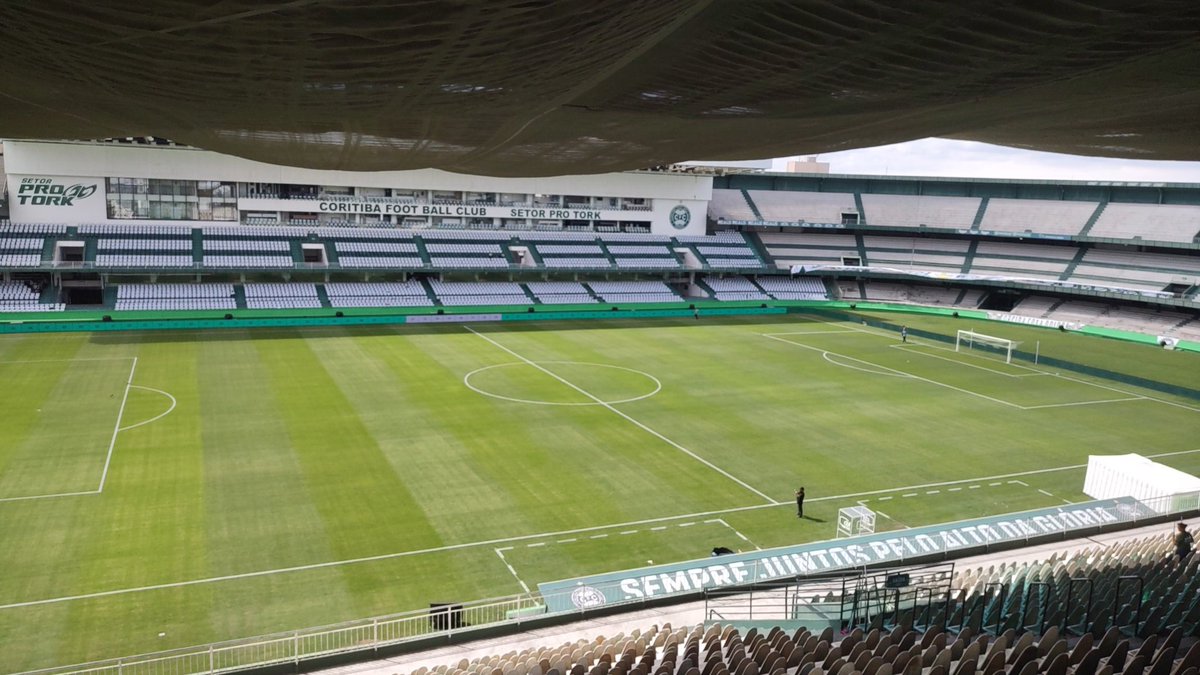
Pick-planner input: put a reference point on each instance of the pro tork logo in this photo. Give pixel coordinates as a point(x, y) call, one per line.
point(48, 192)
point(680, 217)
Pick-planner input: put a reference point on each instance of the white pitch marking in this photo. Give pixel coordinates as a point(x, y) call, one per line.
point(518, 538)
point(59, 494)
point(974, 487)
point(1045, 493)
point(954, 489)
point(567, 541)
point(932, 492)
point(686, 524)
point(156, 417)
point(535, 544)
point(477, 390)
point(98, 358)
point(809, 332)
point(660, 527)
point(995, 484)
point(628, 532)
point(1018, 482)
point(739, 534)
point(633, 421)
point(899, 373)
point(117, 427)
point(825, 355)
point(884, 499)
point(511, 570)
point(910, 494)
point(1075, 403)
point(598, 536)
point(908, 347)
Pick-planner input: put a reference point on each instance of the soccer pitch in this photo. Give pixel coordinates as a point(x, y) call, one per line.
point(160, 490)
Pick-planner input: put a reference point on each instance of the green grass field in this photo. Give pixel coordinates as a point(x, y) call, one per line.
point(237, 485)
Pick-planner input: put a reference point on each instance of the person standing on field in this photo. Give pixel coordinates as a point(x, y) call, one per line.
point(800, 503)
point(904, 333)
point(1182, 541)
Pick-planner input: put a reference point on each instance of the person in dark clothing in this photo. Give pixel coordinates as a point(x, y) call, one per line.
point(904, 333)
point(1182, 541)
point(800, 503)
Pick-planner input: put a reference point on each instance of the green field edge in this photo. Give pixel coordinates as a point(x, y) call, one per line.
point(107, 320)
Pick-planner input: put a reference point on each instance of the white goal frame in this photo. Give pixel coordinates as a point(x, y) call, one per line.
point(970, 337)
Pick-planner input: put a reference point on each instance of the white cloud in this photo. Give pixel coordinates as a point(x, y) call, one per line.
point(968, 159)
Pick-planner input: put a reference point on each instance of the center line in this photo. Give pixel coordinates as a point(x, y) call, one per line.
point(636, 423)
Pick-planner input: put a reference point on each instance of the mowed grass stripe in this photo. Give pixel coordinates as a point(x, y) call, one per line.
point(366, 507)
point(258, 510)
point(146, 526)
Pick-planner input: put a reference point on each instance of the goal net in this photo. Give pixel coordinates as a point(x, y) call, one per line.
point(970, 340)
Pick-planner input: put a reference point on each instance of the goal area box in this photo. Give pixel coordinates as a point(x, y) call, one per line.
point(1161, 488)
point(969, 339)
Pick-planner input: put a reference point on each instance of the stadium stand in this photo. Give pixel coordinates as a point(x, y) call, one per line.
point(614, 292)
point(797, 288)
point(246, 261)
point(809, 207)
point(377, 294)
point(914, 211)
point(292, 295)
point(730, 205)
point(169, 296)
point(159, 260)
point(1035, 261)
point(465, 293)
point(809, 250)
point(1122, 605)
point(1043, 216)
point(1152, 222)
point(560, 292)
point(19, 296)
point(933, 255)
point(734, 288)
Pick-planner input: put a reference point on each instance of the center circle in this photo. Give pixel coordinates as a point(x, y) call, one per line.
point(471, 380)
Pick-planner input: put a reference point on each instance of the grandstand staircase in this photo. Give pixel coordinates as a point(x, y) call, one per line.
point(862, 250)
point(1053, 307)
point(751, 204)
point(978, 220)
point(1073, 264)
point(862, 289)
point(858, 206)
point(108, 297)
point(755, 245)
point(429, 289)
point(607, 253)
point(425, 259)
point(533, 300)
point(331, 255)
point(969, 258)
point(323, 296)
point(239, 296)
point(1091, 221)
point(198, 246)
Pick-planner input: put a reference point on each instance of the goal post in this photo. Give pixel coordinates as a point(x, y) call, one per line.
point(969, 339)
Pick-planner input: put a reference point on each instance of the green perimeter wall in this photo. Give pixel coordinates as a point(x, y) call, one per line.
point(85, 320)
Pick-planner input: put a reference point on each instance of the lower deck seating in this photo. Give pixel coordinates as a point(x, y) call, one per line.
point(794, 288)
point(614, 292)
point(171, 296)
point(377, 294)
point(282, 296)
point(19, 296)
point(560, 292)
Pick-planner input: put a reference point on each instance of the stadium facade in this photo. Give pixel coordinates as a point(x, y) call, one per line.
point(128, 183)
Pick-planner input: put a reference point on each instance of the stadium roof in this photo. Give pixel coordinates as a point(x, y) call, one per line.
point(541, 87)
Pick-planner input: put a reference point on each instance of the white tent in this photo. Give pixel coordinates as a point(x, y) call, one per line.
point(1158, 486)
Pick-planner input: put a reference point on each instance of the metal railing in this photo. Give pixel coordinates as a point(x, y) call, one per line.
point(369, 634)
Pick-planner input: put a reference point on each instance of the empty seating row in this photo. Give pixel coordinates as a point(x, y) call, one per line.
point(21, 244)
point(375, 247)
point(247, 245)
point(169, 291)
point(293, 295)
point(249, 261)
point(143, 260)
point(379, 261)
point(106, 244)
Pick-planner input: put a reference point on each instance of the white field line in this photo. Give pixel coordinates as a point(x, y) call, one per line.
point(894, 370)
point(826, 355)
point(156, 417)
point(813, 332)
point(631, 420)
point(94, 358)
point(1035, 370)
point(112, 442)
point(1075, 403)
point(117, 427)
point(908, 347)
point(526, 537)
point(739, 534)
point(500, 552)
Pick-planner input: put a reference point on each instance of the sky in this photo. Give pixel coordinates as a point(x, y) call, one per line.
point(943, 157)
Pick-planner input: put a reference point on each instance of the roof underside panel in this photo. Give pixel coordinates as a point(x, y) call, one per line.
point(542, 87)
